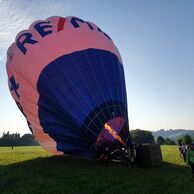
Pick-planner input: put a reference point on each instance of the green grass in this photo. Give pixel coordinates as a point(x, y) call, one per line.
point(32, 170)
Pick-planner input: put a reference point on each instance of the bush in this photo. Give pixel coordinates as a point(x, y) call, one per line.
point(169, 142)
point(187, 139)
point(160, 140)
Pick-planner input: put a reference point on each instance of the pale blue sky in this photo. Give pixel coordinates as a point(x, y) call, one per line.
point(156, 42)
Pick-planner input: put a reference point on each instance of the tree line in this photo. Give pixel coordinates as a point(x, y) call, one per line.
point(138, 136)
point(144, 136)
point(15, 139)
point(186, 139)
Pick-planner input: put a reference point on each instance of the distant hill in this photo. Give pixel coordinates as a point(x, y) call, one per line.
point(173, 134)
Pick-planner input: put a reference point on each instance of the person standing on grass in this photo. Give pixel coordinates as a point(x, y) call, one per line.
point(94, 150)
point(139, 155)
point(190, 158)
point(184, 151)
point(105, 156)
point(97, 152)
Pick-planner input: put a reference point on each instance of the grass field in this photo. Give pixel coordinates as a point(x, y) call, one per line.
point(26, 170)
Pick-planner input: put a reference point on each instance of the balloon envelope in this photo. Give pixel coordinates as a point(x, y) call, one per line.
point(67, 78)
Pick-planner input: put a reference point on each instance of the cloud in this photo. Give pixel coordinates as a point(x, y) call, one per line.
point(18, 15)
point(12, 21)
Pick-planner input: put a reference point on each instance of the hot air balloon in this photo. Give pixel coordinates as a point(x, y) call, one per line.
point(67, 77)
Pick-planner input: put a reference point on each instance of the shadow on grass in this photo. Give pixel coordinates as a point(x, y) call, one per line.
point(61, 174)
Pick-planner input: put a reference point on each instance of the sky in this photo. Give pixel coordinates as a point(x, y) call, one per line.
point(156, 42)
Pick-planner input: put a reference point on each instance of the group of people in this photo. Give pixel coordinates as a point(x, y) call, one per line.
point(129, 153)
point(187, 152)
point(136, 154)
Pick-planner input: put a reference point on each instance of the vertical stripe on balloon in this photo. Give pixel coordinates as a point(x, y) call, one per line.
point(60, 24)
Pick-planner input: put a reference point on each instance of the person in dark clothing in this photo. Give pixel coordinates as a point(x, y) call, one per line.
point(107, 155)
point(94, 153)
point(131, 150)
point(139, 155)
point(97, 151)
point(128, 143)
point(132, 153)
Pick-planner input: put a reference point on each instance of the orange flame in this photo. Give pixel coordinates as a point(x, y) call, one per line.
point(114, 133)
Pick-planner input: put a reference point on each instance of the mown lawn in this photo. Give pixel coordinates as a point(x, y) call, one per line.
point(32, 170)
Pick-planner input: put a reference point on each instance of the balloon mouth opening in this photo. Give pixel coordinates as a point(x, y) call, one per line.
point(110, 131)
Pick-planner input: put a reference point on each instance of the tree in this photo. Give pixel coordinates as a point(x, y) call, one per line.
point(28, 140)
point(187, 139)
point(142, 136)
point(160, 140)
point(180, 140)
point(169, 142)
